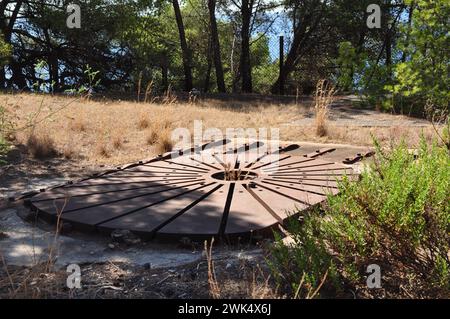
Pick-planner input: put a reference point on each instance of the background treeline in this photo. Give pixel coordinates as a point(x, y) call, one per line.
point(231, 46)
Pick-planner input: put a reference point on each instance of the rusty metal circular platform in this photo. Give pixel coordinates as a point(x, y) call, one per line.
point(211, 190)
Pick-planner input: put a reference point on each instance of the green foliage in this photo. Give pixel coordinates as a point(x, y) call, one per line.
point(91, 82)
point(349, 62)
point(398, 214)
point(424, 75)
point(301, 266)
point(264, 71)
point(5, 51)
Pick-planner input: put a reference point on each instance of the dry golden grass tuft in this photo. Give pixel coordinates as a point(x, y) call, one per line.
point(323, 99)
point(143, 122)
point(165, 143)
point(102, 149)
point(169, 97)
point(117, 140)
point(152, 137)
point(159, 135)
point(41, 145)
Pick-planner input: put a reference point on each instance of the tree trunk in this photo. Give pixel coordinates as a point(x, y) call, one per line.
point(209, 68)
point(184, 47)
point(289, 64)
point(52, 61)
point(54, 71)
point(310, 21)
point(7, 26)
point(17, 77)
point(245, 65)
point(216, 46)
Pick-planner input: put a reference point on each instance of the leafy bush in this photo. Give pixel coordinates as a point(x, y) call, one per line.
point(301, 266)
point(396, 216)
point(5, 51)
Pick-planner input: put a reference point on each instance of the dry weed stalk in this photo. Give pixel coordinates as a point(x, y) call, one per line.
point(310, 292)
point(439, 118)
point(230, 174)
point(139, 87)
point(169, 97)
point(258, 291)
point(148, 91)
point(214, 288)
point(323, 98)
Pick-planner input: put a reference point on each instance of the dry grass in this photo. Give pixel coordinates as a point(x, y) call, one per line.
point(117, 140)
point(102, 149)
point(68, 151)
point(323, 99)
point(41, 145)
point(152, 137)
point(88, 127)
point(255, 282)
point(144, 122)
point(169, 97)
point(165, 143)
point(78, 124)
point(148, 91)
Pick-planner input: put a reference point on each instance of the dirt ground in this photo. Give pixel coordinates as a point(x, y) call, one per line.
point(234, 278)
point(237, 278)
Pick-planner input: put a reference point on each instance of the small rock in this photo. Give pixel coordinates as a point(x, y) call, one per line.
point(3, 235)
point(92, 252)
point(111, 246)
point(132, 240)
point(228, 266)
point(118, 235)
point(125, 236)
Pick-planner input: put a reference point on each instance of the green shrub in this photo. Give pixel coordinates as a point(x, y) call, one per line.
point(396, 216)
point(301, 266)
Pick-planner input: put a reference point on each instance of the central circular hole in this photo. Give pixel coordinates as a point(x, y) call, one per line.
point(234, 175)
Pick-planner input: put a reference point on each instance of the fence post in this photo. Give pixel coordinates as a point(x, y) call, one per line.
point(281, 76)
